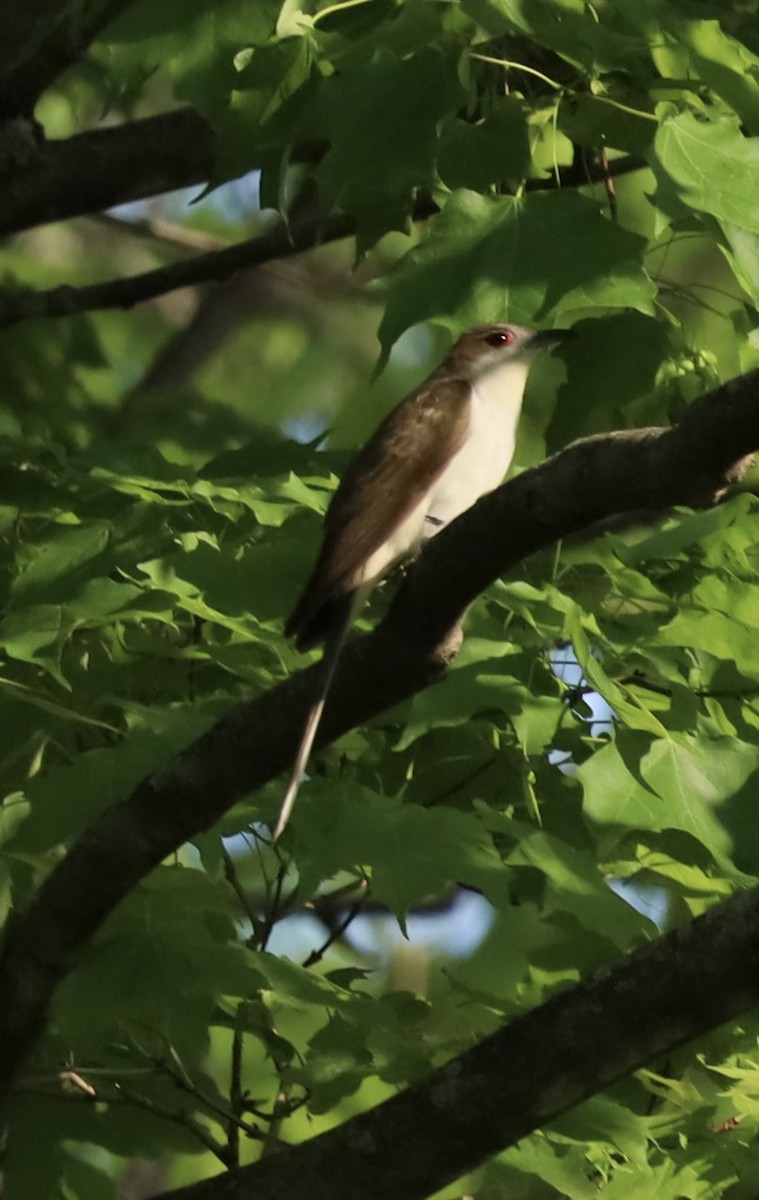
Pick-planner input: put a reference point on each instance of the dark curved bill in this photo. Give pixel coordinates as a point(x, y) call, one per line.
point(552, 337)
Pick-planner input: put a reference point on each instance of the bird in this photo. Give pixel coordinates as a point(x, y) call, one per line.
point(443, 446)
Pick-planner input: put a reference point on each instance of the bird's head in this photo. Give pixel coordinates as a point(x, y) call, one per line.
point(488, 346)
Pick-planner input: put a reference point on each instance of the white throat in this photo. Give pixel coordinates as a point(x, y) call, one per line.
point(486, 455)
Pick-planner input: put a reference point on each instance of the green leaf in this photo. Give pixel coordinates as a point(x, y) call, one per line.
point(594, 120)
point(483, 680)
point(602, 1119)
point(627, 707)
point(679, 782)
point(37, 634)
point(610, 363)
point(377, 156)
point(717, 635)
point(710, 166)
point(66, 797)
point(727, 65)
point(237, 591)
point(147, 954)
point(524, 260)
point(286, 985)
point(58, 562)
point(337, 1063)
point(410, 853)
point(575, 884)
point(684, 529)
point(495, 151)
point(538, 1157)
point(742, 252)
point(566, 27)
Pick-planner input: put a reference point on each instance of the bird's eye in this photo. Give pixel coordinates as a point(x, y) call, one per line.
point(503, 338)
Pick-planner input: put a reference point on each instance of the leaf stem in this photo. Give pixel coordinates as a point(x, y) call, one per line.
point(333, 8)
point(335, 934)
point(625, 108)
point(515, 66)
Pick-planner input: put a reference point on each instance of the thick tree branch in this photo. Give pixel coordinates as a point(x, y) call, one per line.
point(524, 1076)
point(592, 479)
point(104, 167)
point(41, 38)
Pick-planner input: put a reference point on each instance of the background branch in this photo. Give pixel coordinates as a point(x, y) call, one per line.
point(20, 305)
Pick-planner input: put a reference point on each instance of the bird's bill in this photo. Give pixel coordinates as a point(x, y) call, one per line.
point(551, 337)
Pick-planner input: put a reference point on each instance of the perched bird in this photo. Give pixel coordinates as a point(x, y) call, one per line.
point(446, 444)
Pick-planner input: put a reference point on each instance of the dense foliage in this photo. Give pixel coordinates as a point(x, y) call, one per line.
point(164, 472)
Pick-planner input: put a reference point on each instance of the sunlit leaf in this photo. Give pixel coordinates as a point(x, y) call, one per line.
point(507, 259)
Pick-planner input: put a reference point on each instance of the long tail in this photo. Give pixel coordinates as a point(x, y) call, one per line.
point(332, 647)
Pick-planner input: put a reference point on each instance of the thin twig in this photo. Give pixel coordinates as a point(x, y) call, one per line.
point(233, 879)
point(23, 304)
point(185, 1083)
point(609, 184)
point(272, 914)
point(648, 685)
point(317, 955)
point(282, 1110)
point(580, 175)
point(446, 794)
point(118, 1093)
point(158, 229)
point(179, 1117)
point(236, 1098)
point(20, 304)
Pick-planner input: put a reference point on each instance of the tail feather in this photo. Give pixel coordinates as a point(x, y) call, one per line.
point(332, 647)
point(313, 622)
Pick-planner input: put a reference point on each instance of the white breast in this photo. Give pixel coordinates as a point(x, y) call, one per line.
point(478, 467)
point(405, 541)
point(486, 455)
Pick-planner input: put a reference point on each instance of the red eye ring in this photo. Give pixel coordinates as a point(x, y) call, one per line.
point(502, 338)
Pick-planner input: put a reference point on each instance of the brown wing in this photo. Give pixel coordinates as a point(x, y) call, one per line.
point(382, 485)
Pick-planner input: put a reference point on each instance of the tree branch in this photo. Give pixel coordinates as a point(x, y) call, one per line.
point(101, 168)
point(281, 242)
point(592, 479)
point(41, 38)
point(525, 1075)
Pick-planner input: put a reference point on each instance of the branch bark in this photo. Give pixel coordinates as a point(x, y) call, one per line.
point(590, 480)
point(41, 38)
point(101, 168)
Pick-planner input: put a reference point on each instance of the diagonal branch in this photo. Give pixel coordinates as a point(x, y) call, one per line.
point(525, 1075)
point(25, 304)
point(592, 479)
